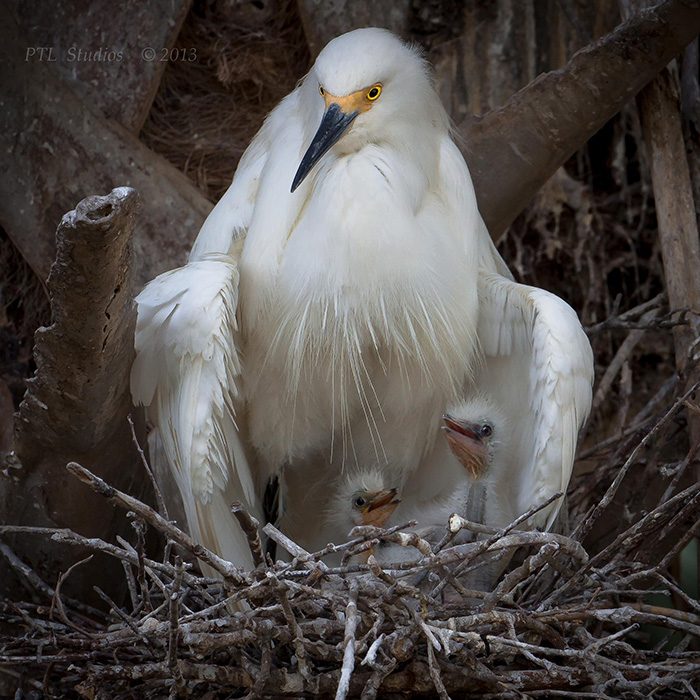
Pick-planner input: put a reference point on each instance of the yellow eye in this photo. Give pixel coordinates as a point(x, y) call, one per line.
point(374, 92)
point(321, 91)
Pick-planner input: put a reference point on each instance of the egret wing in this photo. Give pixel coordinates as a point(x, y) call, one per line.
point(186, 372)
point(538, 365)
point(229, 219)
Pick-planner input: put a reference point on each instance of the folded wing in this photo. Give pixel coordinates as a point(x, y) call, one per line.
point(538, 366)
point(186, 373)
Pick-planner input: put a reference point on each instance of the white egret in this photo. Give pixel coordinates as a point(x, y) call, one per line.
point(476, 433)
point(358, 309)
point(519, 427)
point(473, 432)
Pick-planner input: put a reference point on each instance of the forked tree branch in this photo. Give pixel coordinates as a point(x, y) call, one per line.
point(512, 151)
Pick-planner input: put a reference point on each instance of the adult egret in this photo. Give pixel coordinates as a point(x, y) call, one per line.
point(357, 311)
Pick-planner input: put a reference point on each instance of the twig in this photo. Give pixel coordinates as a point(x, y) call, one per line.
point(348, 643)
point(635, 313)
point(122, 616)
point(35, 581)
point(56, 601)
point(615, 365)
point(174, 631)
point(227, 570)
point(160, 501)
point(288, 545)
point(584, 527)
point(457, 522)
point(298, 635)
point(25, 572)
point(140, 550)
point(131, 584)
point(435, 674)
point(250, 527)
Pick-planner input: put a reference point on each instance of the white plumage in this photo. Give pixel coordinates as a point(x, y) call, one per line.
point(185, 371)
point(538, 370)
point(361, 296)
point(357, 314)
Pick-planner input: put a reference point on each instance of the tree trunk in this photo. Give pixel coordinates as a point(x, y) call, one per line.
point(494, 49)
point(98, 47)
point(324, 20)
point(54, 152)
point(77, 404)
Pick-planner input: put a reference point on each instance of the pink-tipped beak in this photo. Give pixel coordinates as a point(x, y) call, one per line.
point(381, 507)
point(466, 444)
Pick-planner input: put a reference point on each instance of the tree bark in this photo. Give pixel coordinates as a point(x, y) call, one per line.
point(98, 47)
point(690, 108)
point(512, 151)
point(499, 47)
point(56, 149)
point(675, 207)
point(7, 410)
point(662, 128)
point(77, 404)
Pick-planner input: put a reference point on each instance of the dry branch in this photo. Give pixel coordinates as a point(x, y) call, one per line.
point(250, 527)
point(227, 571)
point(659, 109)
point(514, 150)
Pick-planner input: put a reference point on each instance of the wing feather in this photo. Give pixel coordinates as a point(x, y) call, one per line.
point(187, 366)
point(185, 373)
point(538, 364)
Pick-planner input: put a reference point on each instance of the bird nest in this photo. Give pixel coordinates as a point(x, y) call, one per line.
point(579, 615)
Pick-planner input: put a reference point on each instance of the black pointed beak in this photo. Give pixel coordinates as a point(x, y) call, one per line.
point(333, 125)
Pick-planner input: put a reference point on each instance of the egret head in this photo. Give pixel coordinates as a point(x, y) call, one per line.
point(364, 85)
point(474, 429)
point(363, 498)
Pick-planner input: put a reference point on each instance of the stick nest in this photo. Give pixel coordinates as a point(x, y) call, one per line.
point(562, 620)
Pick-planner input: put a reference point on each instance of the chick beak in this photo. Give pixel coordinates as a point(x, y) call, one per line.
point(334, 124)
point(380, 508)
point(466, 444)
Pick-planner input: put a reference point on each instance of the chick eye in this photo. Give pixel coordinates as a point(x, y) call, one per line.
point(321, 91)
point(358, 502)
point(374, 92)
point(486, 430)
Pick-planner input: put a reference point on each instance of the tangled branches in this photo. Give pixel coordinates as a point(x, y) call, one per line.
point(559, 622)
